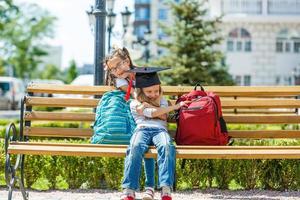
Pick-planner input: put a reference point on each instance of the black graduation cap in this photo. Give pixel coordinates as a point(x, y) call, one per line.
point(147, 76)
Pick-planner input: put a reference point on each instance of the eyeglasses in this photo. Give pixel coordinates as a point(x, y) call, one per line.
point(117, 67)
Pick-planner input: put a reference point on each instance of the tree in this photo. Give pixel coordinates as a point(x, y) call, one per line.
point(190, 51)
point(22, 30)
point(50, 72)
point(71, 72)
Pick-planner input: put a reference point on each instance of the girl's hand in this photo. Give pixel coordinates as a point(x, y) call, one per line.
point(183, 104)
point(147, 105)
point(140, 109)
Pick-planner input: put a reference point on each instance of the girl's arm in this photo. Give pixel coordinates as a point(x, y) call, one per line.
point(155, 112)
point(144, 105)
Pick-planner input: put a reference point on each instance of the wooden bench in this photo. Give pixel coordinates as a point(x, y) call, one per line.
point(241, 105)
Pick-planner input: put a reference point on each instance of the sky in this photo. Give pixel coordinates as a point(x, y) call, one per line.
point(72, 29)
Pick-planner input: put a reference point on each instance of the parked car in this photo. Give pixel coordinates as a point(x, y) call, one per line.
point(84, 80)
point(81, 80)
point(11, 92)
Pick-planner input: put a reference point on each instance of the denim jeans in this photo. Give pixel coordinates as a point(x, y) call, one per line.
point(149, 167)
point(139, 144)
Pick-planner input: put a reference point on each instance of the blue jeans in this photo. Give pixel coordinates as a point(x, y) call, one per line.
point(139, 145)
point(149, 167)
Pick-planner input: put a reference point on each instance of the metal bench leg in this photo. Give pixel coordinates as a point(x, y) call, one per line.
point(175, 177)
point(11, 168)
point(10, 190)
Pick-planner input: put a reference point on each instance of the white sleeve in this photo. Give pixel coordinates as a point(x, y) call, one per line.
point(148, 112)
point(121, 82)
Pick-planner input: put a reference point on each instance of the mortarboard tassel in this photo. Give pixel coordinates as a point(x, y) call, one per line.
point(127, 96)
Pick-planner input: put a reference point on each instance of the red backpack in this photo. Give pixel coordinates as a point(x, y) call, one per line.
point(201, 123)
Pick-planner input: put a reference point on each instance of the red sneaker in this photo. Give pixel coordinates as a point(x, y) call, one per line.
point(127, 198)
point(166, 197)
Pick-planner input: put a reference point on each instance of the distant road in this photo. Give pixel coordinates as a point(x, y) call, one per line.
point(9, 114)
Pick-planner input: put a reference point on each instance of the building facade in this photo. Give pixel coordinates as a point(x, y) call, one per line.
point(261, 38)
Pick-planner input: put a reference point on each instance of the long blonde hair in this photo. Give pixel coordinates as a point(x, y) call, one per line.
point(121, 53)
point(141, 97)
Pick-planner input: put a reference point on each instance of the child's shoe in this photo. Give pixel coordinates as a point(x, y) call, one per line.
point(166, 193)
point(148, 194)
point(128, 194)
point(166, 197)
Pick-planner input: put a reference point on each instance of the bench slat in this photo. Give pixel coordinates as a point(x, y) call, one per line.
point(259, 111)
point(59, 116)
point(248, 91)
point(249, 119)
point(86, 133)
point(61, 102)
point(151, 147)
point(58, 132)
point(226, 104)
point(260, 119)
point(94, 151)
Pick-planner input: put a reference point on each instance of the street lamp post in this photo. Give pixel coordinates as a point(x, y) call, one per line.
point(145, 41)
point(111, 21)
point(97, 16)
point(296, 74)
point(97, 19)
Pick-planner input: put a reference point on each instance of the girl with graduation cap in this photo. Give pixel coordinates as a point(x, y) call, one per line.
point(149, 110)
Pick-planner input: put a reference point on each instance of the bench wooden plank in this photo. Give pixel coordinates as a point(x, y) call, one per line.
point(249, 119)
point(259, 111)
point(246, 91)
point(58, 132)
point(61, 102)
point(59, 116)
point(180, 153)
point(264, 134)
point(151, 147)
point(259, 119)
point(226, 104)
point(86, 133)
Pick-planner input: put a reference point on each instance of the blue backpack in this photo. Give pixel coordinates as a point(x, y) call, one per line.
point(114, 123)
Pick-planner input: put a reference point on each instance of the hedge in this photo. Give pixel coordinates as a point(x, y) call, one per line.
point(63, 172)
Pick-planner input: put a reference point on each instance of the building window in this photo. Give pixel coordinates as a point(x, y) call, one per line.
point(162, 14)
point(247, 80)
point(142, 1)
point(229, 45)
point(140, 30)
point(284, 7)
point(288, 41)
point(239, 40)
point(242, 6)
point(238, 80)
point(142, 14)
point(297, 47)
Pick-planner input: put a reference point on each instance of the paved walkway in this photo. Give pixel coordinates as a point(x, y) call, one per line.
point(188, 195)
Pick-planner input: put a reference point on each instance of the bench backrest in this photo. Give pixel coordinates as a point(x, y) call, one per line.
point(241, 105)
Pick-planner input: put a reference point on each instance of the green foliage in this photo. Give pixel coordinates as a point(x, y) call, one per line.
point(22, 30)
point(51, 72)
point(191, 49)
point(63, 172)
point(71, 72)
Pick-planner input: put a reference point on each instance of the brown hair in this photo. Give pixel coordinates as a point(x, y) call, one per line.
point(121, 53)
point(141, 97)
